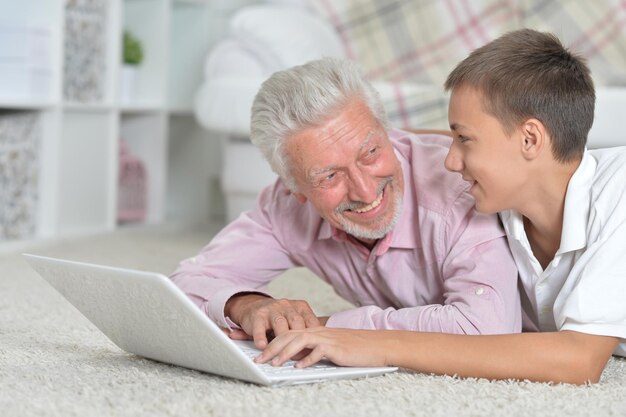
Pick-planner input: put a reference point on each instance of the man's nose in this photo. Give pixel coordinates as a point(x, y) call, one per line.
point(453, 161)
point(363, 186)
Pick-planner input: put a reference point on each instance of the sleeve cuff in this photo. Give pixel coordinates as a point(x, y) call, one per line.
point(613, 330)
point(356, 318)
point(215, 309)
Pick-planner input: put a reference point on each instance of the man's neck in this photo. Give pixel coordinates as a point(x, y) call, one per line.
point(368, 243)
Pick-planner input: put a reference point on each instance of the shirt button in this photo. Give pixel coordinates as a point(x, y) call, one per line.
point(545, 309)
point(479, 291)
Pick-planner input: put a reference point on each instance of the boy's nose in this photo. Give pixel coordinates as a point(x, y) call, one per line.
point(453, 161)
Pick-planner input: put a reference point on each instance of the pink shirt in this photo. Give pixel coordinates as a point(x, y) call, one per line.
point(444, 267)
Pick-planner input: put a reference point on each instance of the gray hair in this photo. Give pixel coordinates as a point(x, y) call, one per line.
point(302, 97)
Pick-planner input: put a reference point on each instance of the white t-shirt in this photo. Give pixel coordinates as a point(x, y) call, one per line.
point(584, 287)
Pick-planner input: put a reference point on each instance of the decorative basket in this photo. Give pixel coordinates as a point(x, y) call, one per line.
point(19, 174)
point(133, 191)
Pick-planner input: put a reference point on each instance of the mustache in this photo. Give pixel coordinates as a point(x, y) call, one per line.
point(355, 205)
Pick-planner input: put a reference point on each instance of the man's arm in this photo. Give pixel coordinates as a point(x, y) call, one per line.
point(226, 277)
point(565, 356)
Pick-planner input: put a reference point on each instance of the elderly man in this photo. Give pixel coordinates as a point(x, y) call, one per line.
point(369, 209)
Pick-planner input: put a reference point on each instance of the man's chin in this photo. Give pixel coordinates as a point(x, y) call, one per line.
point(372, 231)
point(366, 236)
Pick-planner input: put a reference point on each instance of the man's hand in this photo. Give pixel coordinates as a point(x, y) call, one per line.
point(257, 315)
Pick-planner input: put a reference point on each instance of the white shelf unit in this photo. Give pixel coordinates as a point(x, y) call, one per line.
point(82, 120)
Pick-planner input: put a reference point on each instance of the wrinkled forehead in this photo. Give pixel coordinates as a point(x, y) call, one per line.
point(320, 147)
point(351, 126)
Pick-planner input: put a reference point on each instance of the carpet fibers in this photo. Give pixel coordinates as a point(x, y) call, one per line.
point(53, 362)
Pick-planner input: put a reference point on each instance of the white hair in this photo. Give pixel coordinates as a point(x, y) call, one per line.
point(302, 97)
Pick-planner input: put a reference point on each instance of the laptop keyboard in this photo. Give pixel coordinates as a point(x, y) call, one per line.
point(286, 368)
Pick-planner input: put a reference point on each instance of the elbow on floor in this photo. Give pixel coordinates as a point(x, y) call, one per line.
point(580, 370)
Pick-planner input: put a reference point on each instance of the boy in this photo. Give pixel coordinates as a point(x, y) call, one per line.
point(520, 111)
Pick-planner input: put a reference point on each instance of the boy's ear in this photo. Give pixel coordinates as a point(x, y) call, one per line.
point(534, 138)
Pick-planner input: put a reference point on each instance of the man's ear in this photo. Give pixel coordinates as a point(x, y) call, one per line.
point(534, 138)
point(300, 198)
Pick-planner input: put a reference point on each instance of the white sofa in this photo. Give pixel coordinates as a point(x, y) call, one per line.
point(269, 37)
point(263, 39)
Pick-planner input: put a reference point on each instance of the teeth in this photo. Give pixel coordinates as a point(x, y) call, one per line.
point(371, 206)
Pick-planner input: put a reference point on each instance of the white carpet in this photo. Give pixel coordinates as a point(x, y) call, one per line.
point(53, 362)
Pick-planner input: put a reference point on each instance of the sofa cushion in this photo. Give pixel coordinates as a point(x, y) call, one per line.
point(422, 40)
point(610, 105)
point(229, 59)
point(595, 29)
point(223, 103)
point(411, 105)
point(282, 37)
point(415, 41)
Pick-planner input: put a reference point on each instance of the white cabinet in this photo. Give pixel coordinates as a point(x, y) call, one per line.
point(60, 67)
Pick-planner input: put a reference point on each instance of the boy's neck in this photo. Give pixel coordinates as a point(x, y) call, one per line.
point(543, 215)
point(543, 243)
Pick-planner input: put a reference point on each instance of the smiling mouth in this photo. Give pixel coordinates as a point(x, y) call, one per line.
point(370, 206)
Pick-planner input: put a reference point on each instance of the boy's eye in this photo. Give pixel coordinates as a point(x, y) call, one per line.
point(462, 138)
point(330, 176)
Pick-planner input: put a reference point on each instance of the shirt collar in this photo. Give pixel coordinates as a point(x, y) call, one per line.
point(326, 231)
point(513, 223)
point(577, 202)
point(404, 234)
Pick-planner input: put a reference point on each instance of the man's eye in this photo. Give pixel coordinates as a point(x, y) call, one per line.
point(371, 152)
point(462, 139)
point(326, 181)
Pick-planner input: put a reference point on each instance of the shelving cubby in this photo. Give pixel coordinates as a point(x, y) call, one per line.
point(65, 76)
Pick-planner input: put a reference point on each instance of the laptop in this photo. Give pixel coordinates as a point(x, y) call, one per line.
point(146, 314)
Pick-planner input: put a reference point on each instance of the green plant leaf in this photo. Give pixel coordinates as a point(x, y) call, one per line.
point(132, 49)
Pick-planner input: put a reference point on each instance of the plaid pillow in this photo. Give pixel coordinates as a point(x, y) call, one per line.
point(422, 40)
point(595, 29)
point(410, 105)
point(418, 41)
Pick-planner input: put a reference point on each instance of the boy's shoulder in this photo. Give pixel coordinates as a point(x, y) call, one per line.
point(615, 152)
point(610, 162)
point(608, 187)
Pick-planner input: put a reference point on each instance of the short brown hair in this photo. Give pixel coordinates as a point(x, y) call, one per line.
point(526, 73)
